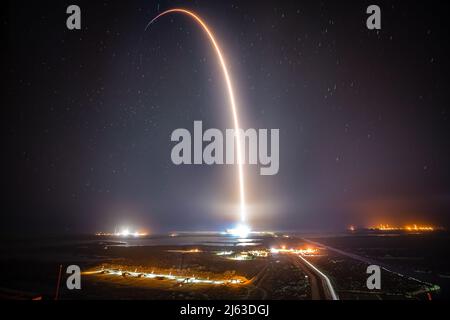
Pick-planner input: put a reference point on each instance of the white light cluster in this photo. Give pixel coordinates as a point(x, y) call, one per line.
point(125, 232)
point(241, 231)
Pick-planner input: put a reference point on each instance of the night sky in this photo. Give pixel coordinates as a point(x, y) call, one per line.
point(364, 116)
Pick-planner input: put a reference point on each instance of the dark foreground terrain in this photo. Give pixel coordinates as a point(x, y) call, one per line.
point(30, 268)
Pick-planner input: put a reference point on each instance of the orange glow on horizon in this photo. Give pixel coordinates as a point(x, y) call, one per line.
point(412, 227)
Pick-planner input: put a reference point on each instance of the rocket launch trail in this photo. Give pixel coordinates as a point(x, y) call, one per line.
point(200, 22)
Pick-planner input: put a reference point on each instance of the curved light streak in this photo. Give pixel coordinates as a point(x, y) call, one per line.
point(230, 96)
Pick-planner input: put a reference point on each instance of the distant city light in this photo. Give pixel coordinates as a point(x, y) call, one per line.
point(413, 227)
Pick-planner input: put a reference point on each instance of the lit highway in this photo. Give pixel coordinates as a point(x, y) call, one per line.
point(321, 286)
point(327, 291)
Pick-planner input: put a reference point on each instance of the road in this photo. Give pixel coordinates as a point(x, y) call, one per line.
point(317, 292)
point(321, 287)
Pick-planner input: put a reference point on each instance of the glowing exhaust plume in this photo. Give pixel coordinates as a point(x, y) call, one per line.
point(230, 96)
point(241, 231)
